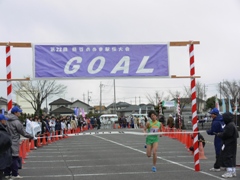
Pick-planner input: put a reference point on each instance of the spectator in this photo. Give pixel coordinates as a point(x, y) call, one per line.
point(58, 127)
point(98, 123)
point(135, 119)
point(15, 128)
point(5, 146)
point(162, 119)
point(52, 124)
point(170, 121)
point(216, 127)
point(229, 149)
point(63, 127)
point(73, 124)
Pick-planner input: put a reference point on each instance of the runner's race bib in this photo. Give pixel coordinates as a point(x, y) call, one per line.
point(153, 130)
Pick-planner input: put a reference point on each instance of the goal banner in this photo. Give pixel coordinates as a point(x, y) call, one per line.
point(100, 61)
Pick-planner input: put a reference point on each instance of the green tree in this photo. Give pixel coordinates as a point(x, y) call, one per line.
point(210, 103)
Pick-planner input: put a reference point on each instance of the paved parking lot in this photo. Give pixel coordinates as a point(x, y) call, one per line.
point(117, 156)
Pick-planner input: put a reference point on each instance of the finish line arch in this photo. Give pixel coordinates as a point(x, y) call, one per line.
point(122, 65)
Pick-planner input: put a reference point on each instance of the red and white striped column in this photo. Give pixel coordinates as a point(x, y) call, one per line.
point(9, 76)
point(194, 109)
point(160, 107)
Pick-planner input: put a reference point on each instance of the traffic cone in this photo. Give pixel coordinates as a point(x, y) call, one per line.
point(27, 146)
point(201, 151)
point(56, 134)
point(21, 152)
point(44, 140)
point(49, 140)
point(32, 145)
point(53, 136)
point(38, 142)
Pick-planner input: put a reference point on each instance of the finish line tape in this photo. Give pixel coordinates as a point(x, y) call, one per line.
point(119, 132)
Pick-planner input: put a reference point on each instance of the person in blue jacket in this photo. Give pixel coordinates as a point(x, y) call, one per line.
point(216, 127)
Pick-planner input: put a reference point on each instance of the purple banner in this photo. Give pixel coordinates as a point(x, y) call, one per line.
point(91, 61)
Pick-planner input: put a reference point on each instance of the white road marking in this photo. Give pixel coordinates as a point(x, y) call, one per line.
point(169, 161)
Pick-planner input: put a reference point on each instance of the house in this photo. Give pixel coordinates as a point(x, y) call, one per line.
point(114, 107)
point(64, 107)
point(126, 109)
point(135, 109)
point(96, 109)
point(82, 105)
point(25, 105)
point(3, 104)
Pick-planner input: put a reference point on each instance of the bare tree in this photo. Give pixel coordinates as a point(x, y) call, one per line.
point(229, 90)
point(186, 95)
point(35, 92)
point(155, 98)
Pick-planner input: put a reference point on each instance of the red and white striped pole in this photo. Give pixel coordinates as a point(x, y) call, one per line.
point(179, 117)
point(194, 109)
point(9, 76)
point(160, 107)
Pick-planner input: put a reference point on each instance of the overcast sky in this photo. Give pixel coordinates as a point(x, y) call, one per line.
point(215, 23)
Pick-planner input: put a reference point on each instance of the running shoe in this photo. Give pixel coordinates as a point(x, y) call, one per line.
point(17, 177)
point(154, 169)
point(215, 170)
point(234, 174)
point(227, 175)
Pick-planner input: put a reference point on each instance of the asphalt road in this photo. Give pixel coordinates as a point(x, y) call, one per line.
point(117, 157)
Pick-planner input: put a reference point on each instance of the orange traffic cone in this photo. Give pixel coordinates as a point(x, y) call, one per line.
point(56, 134)
point(44, 140)
point(21, 152)
point(27, 146)
point(38, 142)
point(32, 145)
point(49, 140)
point(201, 151)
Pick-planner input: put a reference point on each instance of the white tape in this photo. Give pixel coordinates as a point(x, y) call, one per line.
point(122, 132)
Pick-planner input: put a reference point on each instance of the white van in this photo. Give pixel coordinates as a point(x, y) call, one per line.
point(108, 118)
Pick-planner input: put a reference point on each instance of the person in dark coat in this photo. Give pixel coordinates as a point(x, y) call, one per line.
point(58, 126)
point(15, 128)
point(5, 146)
point(216, 127)
point(98, 123)
point(229, 149)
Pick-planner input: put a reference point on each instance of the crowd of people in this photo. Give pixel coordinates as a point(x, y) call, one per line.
point(222, 127)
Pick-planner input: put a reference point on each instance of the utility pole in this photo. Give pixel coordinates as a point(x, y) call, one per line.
point(115, 111)
point(135, 100)
point(204, 96)
point(139, 100)
point(83, 97)
point(89, 97)
point(46, 104)
point(220, 90)
point(101, 85)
